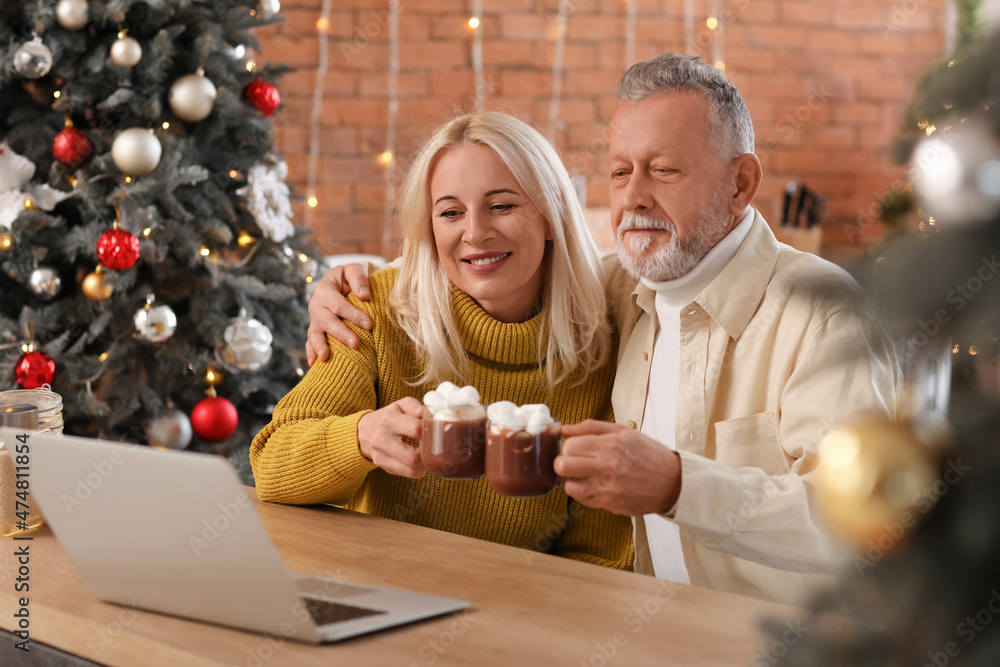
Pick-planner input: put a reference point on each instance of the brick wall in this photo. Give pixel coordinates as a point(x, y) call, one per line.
point(826, 83)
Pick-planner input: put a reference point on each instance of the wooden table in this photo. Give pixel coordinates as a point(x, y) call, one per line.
point(527, 608)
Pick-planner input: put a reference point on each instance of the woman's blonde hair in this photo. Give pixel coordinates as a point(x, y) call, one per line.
point(576, 335)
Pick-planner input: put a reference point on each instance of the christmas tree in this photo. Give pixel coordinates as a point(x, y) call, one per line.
point(920, 505)
point(146, 250)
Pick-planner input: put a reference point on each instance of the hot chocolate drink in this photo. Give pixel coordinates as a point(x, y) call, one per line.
point(521, 446)
point(453, 432)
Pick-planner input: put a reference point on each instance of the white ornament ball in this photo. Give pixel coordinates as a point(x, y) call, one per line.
point(155, 323)
point(126, 52)
point(957, 175)
point(270, 7)
point(171, 431)
point(248, 344)
point(33, 60)
point(192, 97)
point(136, 151)
point(72, 14)
point(45, 282)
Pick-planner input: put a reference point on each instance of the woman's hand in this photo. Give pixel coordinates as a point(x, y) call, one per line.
point(328, 308)
point(382, 438)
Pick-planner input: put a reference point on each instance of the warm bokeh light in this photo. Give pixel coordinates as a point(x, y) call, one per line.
point(212, 377)
point(245, 240)
point(56, 94)
point(166, 125)
point(233, 173)
point(721, 65)
point(385, 158)
point(205, 252)
point(147, 231)
point(128, 179)
point(473, 23)
point(322, 24)
point(312, 202)
point(712, 23)
point(303, 258)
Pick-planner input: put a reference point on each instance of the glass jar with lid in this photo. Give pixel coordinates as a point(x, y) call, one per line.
point(18, 510)
point(48, 403)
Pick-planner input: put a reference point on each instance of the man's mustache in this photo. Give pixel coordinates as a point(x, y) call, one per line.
point(639, 221)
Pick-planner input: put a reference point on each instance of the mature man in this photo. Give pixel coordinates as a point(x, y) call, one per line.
point(738, 353)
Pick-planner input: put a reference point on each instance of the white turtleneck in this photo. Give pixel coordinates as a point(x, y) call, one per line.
point(660, 414)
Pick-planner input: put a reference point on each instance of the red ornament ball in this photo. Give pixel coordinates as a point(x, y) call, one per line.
point(35, 369)
point(72, 147)
point(118, 249)
point(262, 95)
point(214, 419)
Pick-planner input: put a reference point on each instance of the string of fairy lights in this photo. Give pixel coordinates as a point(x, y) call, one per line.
point(390, 131)
point(557, 69)
point(712, 37)
point(322, 26)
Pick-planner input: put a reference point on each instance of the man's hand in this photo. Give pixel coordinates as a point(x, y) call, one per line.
point(382, 438)
point(611, 467)
point(328, 306)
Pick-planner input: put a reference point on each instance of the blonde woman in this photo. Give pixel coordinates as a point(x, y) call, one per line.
point(499, 288)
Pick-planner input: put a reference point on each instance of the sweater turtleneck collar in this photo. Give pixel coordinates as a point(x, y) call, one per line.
point(514, 343)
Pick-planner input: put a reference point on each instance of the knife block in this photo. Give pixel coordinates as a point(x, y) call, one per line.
point(806, 239)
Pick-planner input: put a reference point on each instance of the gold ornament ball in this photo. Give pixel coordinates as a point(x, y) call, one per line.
point(871, 478)
point(94, 287)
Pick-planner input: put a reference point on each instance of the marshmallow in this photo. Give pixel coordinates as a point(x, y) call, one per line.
point(468, 394)
point(503, 413)
point(434, 399)
point(533, 417)
point(446, 415)
point(538, 422)
point(447, 388)
point(453, 403)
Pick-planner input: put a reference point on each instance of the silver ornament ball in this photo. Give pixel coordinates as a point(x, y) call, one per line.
point(45, 282)
point(126, 52)
point(155, 323)
point(136, 151)
point(270, 7)
point(171, 431)
point(72, 14)
point(192, 97)
point(248, 344)
point(33, 60)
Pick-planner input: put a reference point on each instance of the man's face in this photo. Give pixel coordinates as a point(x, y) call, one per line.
point(670, 193)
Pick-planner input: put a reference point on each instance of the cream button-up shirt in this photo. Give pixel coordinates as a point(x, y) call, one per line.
point(777, 349)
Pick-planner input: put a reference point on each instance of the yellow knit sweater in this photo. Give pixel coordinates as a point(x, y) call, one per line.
point(309, 452)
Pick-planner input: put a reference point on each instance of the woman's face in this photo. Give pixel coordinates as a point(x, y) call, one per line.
point(490, 238)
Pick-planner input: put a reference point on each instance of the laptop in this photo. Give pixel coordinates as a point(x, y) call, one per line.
point(174, 532)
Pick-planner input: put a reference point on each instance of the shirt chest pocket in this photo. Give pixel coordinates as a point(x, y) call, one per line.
point(750, 442)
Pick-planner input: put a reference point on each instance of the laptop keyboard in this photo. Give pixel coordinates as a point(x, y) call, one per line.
point(324, 612)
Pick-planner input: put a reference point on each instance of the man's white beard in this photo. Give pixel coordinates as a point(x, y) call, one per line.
point(674, 259)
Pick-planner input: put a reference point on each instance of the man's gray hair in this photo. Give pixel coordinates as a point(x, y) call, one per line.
point(728, 120)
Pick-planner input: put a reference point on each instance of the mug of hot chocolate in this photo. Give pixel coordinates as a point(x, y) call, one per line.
point(521, 446)
point(453, 432)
